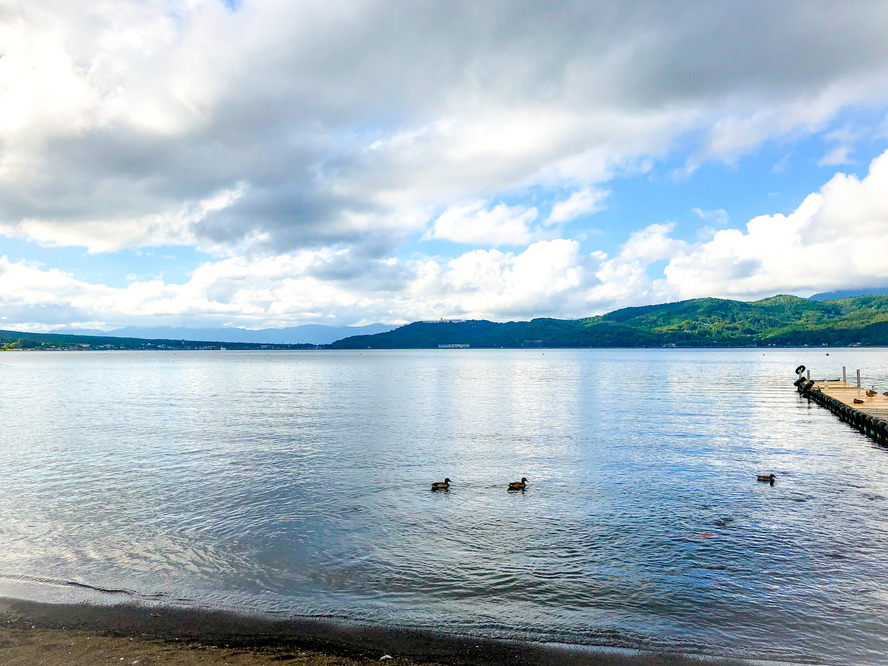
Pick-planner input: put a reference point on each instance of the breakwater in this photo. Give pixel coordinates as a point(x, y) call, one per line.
point(863, 409)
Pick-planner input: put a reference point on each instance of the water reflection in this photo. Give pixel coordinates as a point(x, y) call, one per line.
point(299, 482)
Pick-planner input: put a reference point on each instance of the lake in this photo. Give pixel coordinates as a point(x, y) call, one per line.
point(298, 484)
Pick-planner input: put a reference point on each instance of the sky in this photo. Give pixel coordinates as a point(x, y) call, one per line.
point(271, 163)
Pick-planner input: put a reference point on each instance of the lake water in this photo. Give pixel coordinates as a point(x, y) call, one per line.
point(298, 483)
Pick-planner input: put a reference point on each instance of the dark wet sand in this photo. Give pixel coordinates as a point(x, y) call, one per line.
point(55, 634)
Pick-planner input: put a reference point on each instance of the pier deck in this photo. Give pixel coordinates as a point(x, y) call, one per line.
point(846, 394)
point(869, 415)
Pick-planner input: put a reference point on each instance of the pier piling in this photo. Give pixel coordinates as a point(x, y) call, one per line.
point(866, 413)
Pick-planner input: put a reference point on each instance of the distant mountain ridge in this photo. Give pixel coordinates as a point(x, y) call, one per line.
point(781, 321)
point(314, 334)
point(849, 293)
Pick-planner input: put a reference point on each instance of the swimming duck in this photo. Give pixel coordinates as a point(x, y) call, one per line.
point(766, 478)
point(518, 485)
point(441, 485)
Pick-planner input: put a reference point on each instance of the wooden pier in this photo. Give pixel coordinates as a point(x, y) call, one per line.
point(866, 410)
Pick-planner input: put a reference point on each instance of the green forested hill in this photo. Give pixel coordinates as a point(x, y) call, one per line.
point(702, 322)
point(18, 340)
point(783, 321)
point(479, 333)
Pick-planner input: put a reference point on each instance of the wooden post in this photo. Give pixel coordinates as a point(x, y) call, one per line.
point(809, 375)
point(844, 375)
point(858, 378)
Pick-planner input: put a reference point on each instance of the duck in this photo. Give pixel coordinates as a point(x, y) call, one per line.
point(518, 485)
point(870, 394)
point(766, 478)
point(441, 485)
point(858, 401)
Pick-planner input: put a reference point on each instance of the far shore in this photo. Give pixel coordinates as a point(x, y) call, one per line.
point(57, 634)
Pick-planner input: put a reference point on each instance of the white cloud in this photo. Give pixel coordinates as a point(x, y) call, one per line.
point(781, 165)
point(581, 202)
point(715, 220)
point(174, 227)
point(309, 140)
point(837, 237)
point(718, 217)
point(345, 124)
point(474, 223)
point(547, 277)
point(846, 135)
point(651, 244)
point(836, 157)
point(842, 153)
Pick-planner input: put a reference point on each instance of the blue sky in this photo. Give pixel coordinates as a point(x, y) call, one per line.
point(264, 163)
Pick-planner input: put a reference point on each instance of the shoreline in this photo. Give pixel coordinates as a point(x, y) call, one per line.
point(38, 632)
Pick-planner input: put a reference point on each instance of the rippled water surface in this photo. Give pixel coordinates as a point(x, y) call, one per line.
point(298, 484)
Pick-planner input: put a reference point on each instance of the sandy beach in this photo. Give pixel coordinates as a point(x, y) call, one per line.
point(49, 634)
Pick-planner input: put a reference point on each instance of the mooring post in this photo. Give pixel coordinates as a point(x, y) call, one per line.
point(809, 375)
point(858, 378)
point(844, 375)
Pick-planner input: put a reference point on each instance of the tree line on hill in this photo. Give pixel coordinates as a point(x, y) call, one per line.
point(18, 340)
point(780, 321)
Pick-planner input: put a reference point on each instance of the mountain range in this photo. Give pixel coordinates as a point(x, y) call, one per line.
point(313, 334)
point(849, 293)
point(780, 321)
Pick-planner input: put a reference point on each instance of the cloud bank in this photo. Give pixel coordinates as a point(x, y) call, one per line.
point(838, 235)
point(304, 145)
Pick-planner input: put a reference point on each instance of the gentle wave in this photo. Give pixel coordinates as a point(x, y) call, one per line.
point(42, 580)
point(299, 484)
